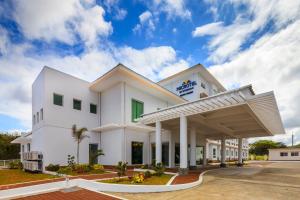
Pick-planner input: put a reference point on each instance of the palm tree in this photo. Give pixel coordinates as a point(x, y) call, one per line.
point(95, 155)
point(78, 135)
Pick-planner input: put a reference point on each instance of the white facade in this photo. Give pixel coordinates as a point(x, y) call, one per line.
point(111, 128)
point(284, 154)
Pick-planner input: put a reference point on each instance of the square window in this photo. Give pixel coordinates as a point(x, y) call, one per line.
point(93, 108)
point(57, 99)
point(76, 104)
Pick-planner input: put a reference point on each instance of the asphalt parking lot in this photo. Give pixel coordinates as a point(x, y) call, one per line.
point(264, 180)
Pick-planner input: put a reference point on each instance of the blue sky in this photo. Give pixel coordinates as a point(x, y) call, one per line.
point(240, 41)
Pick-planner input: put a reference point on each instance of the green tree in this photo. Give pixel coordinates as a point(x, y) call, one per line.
point(8, 150)
point(78, 135)
point(261, 147)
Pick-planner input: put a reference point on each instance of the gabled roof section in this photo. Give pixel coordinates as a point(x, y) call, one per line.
point(121, 73)
point(203, 71)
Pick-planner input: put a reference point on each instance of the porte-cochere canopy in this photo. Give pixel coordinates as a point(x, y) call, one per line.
point(237, 113)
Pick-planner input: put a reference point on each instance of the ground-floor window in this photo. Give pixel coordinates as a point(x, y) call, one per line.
point(294, 153)
point(283, 153)
point(28, 147)
point(199, 155)
point(136, 153)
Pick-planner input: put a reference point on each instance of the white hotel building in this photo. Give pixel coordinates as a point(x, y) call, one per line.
point(190, 117)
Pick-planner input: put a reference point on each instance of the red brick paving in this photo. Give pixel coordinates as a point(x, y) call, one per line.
point(76, 195)
point(192, 176)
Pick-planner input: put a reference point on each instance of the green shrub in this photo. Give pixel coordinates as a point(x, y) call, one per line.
point(148, 174)
point(121, 168)
point(65, 170)
point(52, 168)
point(159, 169)
point(82, 168)
point(71, 162)
point(15, 164)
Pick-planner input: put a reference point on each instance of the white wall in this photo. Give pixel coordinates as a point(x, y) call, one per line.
point(111, 105)
point(151, 103)
point(53, 136)
point(274, 154)
point(112, 146)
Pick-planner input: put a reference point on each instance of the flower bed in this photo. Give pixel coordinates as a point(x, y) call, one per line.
point(153, 180)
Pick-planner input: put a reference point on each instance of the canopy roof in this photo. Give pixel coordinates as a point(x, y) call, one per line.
point(233, 114)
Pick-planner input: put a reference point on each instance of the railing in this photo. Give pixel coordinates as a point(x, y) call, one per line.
point(5, 163)
point(32, 161)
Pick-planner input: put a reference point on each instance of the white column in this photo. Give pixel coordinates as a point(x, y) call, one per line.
point(171, 159)
point(183, 142)
point(193, 147)
point(223, 151)
point(240, 150)
point(158, 142)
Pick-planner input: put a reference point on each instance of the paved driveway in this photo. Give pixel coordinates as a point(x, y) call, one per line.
point(279, 180)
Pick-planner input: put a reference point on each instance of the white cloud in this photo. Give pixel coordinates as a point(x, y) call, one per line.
point(227, 40)
point(146, 21)
point(55, 20)
point(271, 63)
point(172, 8)
point(208, 29)
point(113, 8)
point(19, 69)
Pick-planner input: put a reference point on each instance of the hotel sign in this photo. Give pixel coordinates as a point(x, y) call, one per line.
point(187, 87)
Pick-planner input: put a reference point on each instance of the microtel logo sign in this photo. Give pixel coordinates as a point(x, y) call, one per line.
point(186, 87)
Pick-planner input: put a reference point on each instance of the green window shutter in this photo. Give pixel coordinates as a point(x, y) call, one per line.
point(137, 109)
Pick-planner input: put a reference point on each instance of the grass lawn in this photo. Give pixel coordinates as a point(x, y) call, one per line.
point(153, 180)
point(10, 176)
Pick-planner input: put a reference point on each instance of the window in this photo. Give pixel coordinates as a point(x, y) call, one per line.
point(203, 95)
point(283, 153)
point(42, 113)
point(57, 99)
point(227, 152)
point(136, 153)
point(33, 120)
point(37, 117)
point(294, 153)
point(203, 85)
point(28, 147)
point(76, 104)
point(137, 108)
point(93, 108)
point(23, 148)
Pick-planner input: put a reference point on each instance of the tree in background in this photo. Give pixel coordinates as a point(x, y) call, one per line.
point(261, 147)
point(7, 150)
